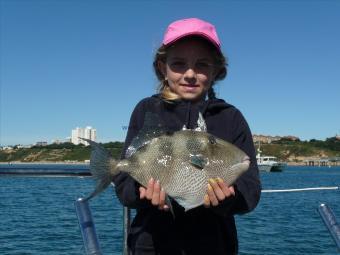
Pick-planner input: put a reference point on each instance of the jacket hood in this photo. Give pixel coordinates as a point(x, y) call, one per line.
point(210, 105)
point(188, 111)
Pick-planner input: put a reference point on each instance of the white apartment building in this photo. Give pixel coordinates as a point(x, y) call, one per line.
point(88, 133)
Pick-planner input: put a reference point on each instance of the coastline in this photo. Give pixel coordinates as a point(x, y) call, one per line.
point(45, 163)
point(88, 163)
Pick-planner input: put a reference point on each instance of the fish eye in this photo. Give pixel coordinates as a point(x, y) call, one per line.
point(169, 133)
point(212, 139)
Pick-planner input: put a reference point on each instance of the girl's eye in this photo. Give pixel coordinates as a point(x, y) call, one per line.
point(200, 66)
point(204, 65)
point(178, 63)
point(177, 66)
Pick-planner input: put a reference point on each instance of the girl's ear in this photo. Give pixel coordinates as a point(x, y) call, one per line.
point(217, 72)
point(161, 67)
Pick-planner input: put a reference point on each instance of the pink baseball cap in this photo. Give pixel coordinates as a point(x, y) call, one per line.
point(192, 26)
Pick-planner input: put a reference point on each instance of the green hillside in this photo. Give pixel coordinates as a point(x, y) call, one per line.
point(56, 152)
point(286, 150)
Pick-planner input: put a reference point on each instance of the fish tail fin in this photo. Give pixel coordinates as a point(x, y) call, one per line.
point(102, 167)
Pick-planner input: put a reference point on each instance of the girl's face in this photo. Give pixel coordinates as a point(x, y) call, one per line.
point(189, 69)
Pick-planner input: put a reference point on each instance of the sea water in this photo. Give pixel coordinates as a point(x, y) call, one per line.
point(37, 215)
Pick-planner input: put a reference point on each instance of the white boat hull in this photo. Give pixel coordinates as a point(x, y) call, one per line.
point(276, 167)
point(265, 168)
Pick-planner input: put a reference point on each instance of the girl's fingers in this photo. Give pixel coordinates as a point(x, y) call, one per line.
point(206, 201)
point(142, 192)
point(212, 197)
point(156, 193)
point(162, 199)
point(223, 187)
point(232, 190)
point(217, 190)
point(149, 189)
point(166, 208)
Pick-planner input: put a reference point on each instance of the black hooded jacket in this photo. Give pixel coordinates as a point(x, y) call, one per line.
point(200, 230)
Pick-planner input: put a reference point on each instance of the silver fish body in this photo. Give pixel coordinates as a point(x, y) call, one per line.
point(183, 162)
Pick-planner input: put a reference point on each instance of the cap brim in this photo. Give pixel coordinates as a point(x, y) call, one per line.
point(204, 36)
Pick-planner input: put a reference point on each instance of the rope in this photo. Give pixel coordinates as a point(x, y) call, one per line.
point(296, 190)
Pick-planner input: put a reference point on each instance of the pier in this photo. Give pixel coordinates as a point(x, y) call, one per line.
point(333, 161)
point(44, 170)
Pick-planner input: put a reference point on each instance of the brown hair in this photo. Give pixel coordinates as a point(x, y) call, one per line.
point(161, 55)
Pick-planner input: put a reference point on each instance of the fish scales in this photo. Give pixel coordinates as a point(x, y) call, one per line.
point(160, 161)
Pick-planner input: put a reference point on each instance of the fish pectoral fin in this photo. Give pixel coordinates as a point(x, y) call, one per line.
point(198, 161)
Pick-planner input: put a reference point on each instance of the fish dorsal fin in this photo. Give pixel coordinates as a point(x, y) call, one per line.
point(152, 128)
point(201, 125)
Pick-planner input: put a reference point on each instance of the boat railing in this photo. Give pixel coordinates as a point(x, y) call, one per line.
point(87, 227)
point(88, 230)
point(331, 223)
point(126, 227)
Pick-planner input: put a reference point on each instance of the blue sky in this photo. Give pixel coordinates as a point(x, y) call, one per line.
point(68, 63)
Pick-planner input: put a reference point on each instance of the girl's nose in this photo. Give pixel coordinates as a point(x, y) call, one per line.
point(190, 75)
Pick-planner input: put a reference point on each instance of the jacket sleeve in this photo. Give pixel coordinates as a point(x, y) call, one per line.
point(127, 189)
point(248, 186)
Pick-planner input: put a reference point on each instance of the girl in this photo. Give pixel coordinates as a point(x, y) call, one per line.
point(187, 65)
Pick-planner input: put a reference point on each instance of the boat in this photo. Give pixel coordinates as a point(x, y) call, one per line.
point(269, 163)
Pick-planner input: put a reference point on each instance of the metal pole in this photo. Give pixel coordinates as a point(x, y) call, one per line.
point(296, 190)
point(87, 227)
point(126, 227)
point(330, 221)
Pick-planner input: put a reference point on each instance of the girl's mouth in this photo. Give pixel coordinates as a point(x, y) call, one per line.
point(190, 87)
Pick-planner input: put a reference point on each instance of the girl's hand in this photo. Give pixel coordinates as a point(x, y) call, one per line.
point(217, 191)
point(154, 193)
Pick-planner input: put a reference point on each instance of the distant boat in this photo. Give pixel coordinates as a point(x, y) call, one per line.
point(269, 163)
